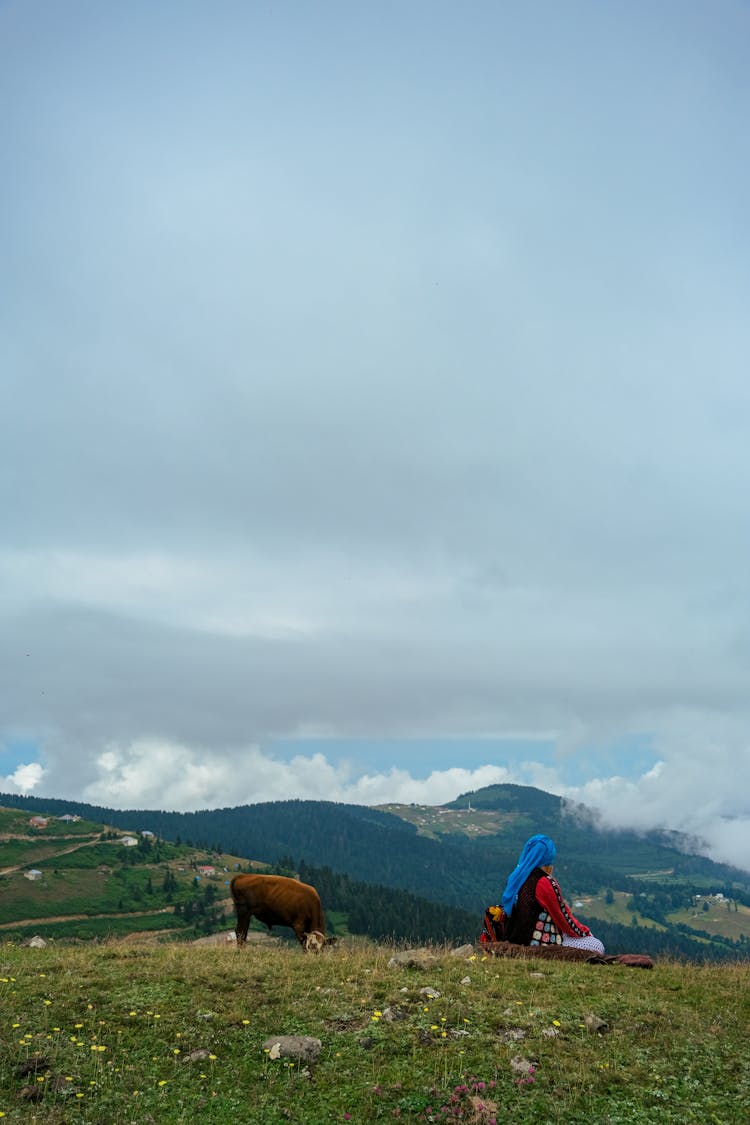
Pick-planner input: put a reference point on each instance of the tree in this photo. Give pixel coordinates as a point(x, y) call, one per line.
point(169, 883)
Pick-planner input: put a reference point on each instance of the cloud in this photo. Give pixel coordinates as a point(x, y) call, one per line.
point(410, 416)
point(151, 774)
point(689, 795)
point(25, 778)
point(155, 704)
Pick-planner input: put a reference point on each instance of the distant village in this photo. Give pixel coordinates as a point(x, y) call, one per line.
point(41, 822)
point(205, 870)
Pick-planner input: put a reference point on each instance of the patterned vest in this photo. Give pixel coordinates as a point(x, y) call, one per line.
point(529, 924)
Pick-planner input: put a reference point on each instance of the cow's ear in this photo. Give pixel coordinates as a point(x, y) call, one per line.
point(331, 940)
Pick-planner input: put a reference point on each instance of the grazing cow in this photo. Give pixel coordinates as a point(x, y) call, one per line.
point(278, 901)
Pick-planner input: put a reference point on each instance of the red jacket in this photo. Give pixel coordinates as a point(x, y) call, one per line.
point(549, 896)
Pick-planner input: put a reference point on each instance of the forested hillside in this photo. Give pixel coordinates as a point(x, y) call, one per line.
point(367, 844)
point(381, 912)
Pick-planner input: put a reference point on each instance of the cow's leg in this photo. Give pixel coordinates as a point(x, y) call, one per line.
point(244, 914)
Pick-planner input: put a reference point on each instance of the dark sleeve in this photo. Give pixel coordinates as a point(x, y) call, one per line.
point(549, 897)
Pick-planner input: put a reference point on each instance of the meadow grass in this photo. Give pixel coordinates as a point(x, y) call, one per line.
point(596, 906)
point(115, 1033)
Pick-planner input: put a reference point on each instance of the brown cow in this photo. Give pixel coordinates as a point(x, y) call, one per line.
point(278, 901)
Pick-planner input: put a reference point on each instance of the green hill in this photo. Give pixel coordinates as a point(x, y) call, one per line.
point(101, 881)
point(642, 888)
point(84, 879)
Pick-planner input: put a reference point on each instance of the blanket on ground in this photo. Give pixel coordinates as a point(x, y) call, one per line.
point(564, 953)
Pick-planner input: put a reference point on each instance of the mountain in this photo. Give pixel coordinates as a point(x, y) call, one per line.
point(459, 855)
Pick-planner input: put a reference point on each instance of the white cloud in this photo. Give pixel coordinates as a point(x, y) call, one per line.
point(440, 786)
point(24, 778)
point(156, 774)
point(691, 795)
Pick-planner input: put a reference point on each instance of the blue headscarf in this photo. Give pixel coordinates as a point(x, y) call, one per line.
point(538, 851)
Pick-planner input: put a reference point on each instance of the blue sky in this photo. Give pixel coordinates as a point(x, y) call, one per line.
point(527, 759)
point(374, 407)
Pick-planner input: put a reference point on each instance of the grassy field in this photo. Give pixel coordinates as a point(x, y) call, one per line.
point(120, 1032)
point(718, 919)
point(596, 906)
point(434, 821)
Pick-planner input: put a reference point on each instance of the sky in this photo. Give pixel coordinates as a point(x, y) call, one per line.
point(374, 410)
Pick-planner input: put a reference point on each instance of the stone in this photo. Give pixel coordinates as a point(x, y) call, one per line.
point(430, 993)
point(302, 1048)
point(463, 951)
point(521, 1065)
point(413, 959)
point(200, 1054)
point(594, 1024)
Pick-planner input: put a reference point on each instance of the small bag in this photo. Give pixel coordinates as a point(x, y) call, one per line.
point(493, 928)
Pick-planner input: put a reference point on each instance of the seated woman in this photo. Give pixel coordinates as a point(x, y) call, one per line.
point(536, 912)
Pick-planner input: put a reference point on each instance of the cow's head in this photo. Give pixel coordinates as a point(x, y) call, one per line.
point(315, 941)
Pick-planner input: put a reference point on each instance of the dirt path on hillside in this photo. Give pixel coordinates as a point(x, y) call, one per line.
point(79, 917)
point(54, 855)
point(5, 836)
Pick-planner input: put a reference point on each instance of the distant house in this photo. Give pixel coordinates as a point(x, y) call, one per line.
point(33, 874)
point(69, 818)
point(147, 834)
point(38, 821)
point(129, 842)
point(206, 869)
